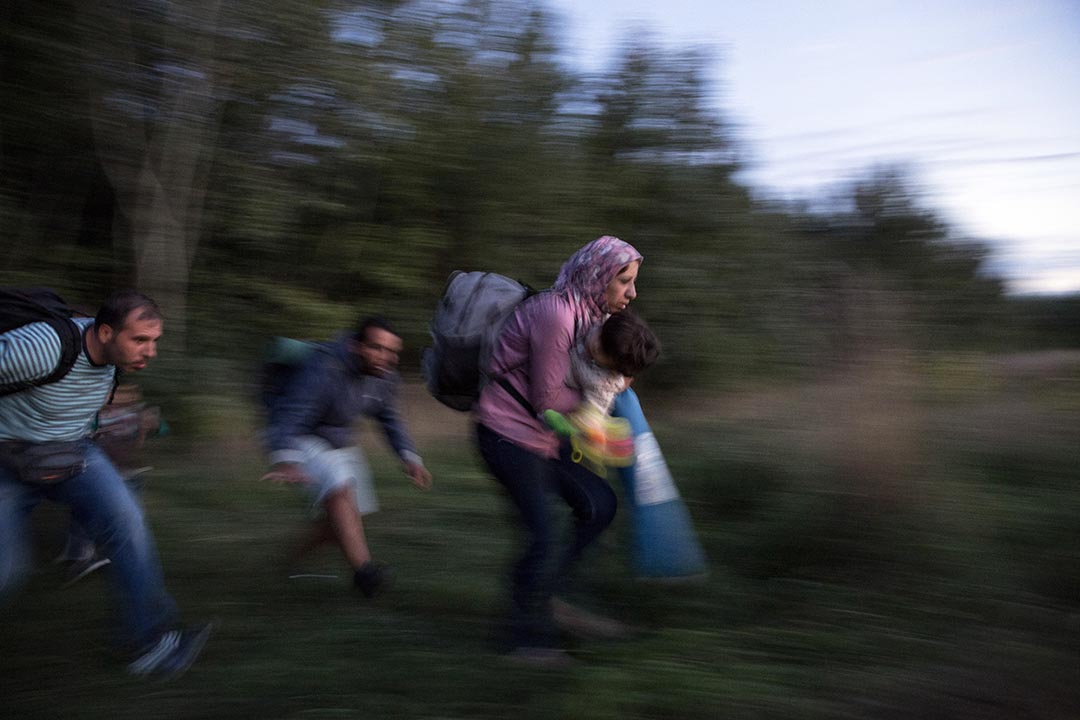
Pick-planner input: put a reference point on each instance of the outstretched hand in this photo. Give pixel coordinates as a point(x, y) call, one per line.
point(419, 475)
point(287, 473)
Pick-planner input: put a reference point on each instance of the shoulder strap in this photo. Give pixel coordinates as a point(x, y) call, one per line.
point(115, 384)
point(501, 372)
point(516, 395)
point(71, 344)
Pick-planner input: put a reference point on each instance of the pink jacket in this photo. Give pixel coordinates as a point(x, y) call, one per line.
point(533, 353)
point(533, 350)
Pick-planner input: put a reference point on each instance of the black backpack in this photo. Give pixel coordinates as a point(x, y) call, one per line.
point(22, 306)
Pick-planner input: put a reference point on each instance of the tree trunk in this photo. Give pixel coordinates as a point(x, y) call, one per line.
point(158, 167)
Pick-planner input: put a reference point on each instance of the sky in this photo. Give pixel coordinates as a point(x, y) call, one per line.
point(979, 99)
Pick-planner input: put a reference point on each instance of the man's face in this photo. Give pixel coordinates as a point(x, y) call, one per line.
point(379, 350)
point(131, 347)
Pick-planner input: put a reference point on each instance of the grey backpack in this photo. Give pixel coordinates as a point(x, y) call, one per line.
point(467, 322)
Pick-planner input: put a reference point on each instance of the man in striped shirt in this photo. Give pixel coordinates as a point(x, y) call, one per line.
point(60, 415)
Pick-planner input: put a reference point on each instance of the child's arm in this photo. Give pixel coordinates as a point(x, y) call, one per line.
point(606, 385)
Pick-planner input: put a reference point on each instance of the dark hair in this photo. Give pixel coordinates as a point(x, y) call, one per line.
point(629, 342)
point(116, 308)
point(373, 321)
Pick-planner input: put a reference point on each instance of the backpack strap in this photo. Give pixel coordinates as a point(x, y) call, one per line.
point(501, 377)
point(115, 384)
point(71, 344)
point(516, 395)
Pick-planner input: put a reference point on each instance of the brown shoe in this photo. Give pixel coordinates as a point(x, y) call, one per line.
point(585, 624)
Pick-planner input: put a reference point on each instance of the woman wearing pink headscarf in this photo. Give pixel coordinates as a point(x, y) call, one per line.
point(528, 371)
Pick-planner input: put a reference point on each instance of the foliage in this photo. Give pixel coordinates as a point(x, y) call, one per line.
point(1048, 321)
point(258, 168)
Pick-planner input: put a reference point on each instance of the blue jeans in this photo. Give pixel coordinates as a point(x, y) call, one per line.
point(103, 504)
point(532, 482)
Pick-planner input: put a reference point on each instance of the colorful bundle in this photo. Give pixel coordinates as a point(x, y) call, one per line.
point(597, 441)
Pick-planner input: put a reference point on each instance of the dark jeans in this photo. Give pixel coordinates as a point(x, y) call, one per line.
point(101, 502)
point(533, 482)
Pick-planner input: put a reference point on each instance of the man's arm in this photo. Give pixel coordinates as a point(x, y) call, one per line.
point(28, 353)
point(397, 435)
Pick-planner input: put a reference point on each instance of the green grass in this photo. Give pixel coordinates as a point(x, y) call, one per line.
point(951, 593)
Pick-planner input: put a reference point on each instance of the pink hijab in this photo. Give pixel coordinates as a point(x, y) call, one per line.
point(585, 276)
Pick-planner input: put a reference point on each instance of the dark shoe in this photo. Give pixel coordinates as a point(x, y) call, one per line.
point(547, 658)
point(586, 625)
point(372, 578)
point(172, 654)
point(78, 569)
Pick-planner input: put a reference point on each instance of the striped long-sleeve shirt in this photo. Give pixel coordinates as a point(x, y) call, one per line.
point(63, 410)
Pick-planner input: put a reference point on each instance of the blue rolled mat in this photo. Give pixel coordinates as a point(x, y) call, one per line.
point(664, 542)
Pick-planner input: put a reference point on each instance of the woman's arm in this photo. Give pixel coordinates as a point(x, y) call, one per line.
point(550, 339)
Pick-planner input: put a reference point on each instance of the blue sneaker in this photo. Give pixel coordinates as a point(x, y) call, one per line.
point(172, 654)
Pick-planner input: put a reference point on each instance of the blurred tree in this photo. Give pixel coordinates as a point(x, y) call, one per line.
point(890, 232)
point(154, 84)
point(406, 141)
point(661, 166)
point(1052, 321)
point(51, 193)
point(269, 167)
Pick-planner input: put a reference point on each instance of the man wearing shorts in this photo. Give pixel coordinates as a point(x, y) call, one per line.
point(310, 436)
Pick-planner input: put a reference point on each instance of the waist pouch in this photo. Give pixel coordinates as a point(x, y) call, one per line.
point(44, 463)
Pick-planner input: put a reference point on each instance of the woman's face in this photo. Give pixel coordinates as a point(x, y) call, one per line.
point(620, 291)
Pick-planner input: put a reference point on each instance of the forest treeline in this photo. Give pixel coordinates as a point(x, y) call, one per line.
point(271, 167)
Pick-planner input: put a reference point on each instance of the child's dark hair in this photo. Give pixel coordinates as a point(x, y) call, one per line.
point(372, 321)
point(629, 342)
point(116, 308)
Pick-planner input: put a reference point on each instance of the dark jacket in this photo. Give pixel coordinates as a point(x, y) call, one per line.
point(325, 399)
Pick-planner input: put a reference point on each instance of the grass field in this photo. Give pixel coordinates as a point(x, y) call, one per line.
point(896, 544)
